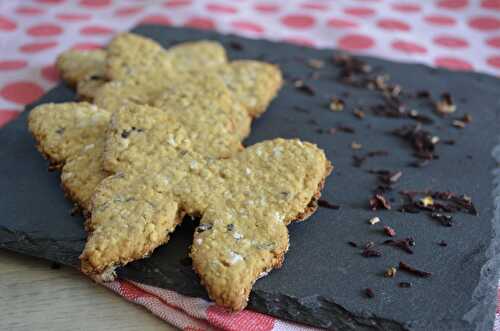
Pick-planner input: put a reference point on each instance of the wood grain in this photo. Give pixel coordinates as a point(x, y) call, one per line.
point(35, 297)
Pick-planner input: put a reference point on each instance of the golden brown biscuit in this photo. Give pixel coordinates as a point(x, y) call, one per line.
point(71, 135)
point(245, 201)
point(75, 65)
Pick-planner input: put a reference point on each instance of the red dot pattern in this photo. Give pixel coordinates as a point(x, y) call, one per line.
point(340, 23)
point(409, 47)
point(355, 42)
point(406, 7)
point(50, 73)
point(96, 30)
point(221, 9)
point(44, 30)
point(455, 34)
point(393, 24)
point(359, 11)
point(453, 63)
point(297, 21)
point(21, 92)
point(12, 64)
point(28, 10)
point(452, 4)
point(451, 41)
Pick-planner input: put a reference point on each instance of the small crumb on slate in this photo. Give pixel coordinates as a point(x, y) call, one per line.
point(336, 104)
point(390, 272)
point(458, 124)
point(358, 113)
point(443, 243)
point(315, 63)
point(446, 104)
point(355, 145)
point(374, 220)
point(303, 87)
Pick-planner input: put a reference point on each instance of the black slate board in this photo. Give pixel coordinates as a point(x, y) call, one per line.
point(322, 279)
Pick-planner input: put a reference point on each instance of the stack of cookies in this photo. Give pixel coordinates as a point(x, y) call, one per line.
point(159, 137)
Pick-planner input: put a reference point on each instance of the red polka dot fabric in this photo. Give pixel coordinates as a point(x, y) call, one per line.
point(455, 34)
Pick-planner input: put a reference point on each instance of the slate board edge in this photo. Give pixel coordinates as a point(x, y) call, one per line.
point(484, 300)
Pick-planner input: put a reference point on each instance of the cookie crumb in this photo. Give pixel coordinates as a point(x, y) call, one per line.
point(390, 272)
point(336, 104)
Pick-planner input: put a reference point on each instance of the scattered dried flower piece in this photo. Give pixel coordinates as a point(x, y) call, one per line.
point(445, 220)
point(404, 244)
point(359, 160)
point(466, 119)
point(443, 243)
point(301, 86)
point(358, 113)
point(423, 94)
point(420, 273)
point(386, 177)
point(458, 124)
point(378, 201)
point(369, 244)
point(404, 284)
point(235, 45)
point(341, 128)
point(369, 293)
point(422, 142)
point(352, 243)
point(389, 231)
point(370, 252)
point(326, 204)
point(449, 142)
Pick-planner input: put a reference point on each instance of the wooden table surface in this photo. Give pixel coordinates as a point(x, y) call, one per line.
point(35, 297)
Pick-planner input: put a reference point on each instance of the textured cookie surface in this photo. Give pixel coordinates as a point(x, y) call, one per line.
point(253, 84)
point(133, 56)
point(196, 55)
point(141, 68)
point(72, 135)
point(87, 88)
point(75, 66)
point(245, 201)
point(202, 103)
